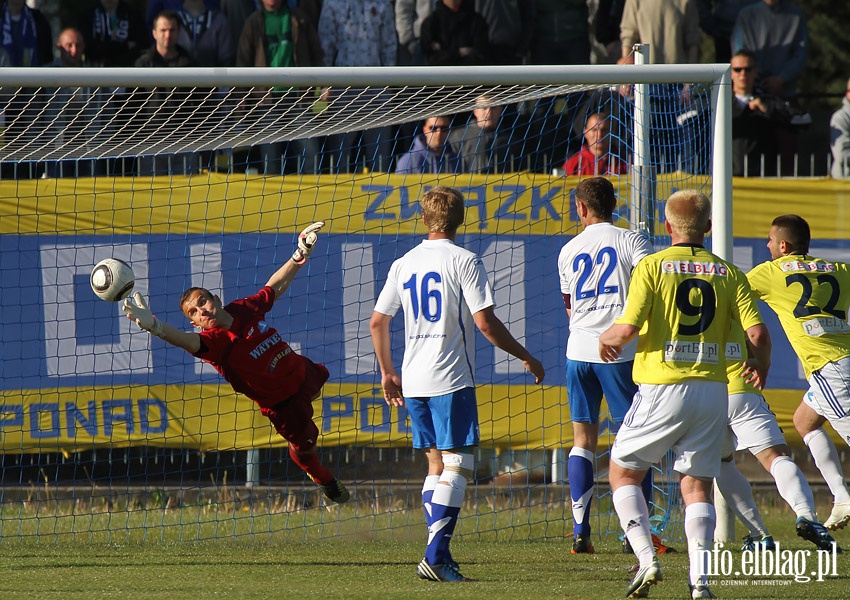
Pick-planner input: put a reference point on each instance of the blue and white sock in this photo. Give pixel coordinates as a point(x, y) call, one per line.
point(580, 477)
point(427, 495)
point(445, 508)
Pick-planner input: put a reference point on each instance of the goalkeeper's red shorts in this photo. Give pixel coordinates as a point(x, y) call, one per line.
point(293, 418)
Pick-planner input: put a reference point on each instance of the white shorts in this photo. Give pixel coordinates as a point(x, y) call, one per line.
point(688, 418)
point(752, 425)
point(829, 395)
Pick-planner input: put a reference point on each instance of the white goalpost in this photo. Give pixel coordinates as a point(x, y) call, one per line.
point(144, 165)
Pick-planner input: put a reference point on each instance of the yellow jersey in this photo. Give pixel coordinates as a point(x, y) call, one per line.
point(736, 354)
point(810, 296)
point(684, 299)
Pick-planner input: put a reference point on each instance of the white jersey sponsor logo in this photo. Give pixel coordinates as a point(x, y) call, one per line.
point(796, 265)
point(691, 352)
point(734, 351)
point(823, 325)
point(694, 268)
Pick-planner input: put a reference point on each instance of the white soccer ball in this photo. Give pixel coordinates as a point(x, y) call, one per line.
point(112, 279)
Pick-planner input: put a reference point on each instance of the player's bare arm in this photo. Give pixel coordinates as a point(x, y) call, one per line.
point(283, 277)
point(612, 340)
point(379, 326)
point(498, 335)
point(759, 348)
point(137, 310)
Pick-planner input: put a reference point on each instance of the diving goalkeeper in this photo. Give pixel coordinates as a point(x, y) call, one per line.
point(254, 358)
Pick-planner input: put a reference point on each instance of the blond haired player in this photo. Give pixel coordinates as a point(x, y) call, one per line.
point(811, 296)
point(683, 301)
point(443, 290)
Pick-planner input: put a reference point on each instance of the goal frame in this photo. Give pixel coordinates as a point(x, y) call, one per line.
point(717, 75)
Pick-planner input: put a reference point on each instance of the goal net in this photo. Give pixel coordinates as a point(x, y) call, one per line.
point(204, 177)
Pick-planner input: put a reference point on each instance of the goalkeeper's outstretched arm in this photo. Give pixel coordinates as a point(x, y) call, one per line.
point(283, 277)
point(137, 310)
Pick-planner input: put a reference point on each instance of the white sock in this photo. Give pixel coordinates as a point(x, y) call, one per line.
point(826, 459)
point(739, 495)
point(700, 520)
point(793, 487)
point(634, 519)
point(453, 493)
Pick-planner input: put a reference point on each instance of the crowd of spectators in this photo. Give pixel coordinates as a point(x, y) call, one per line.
point(765, 40)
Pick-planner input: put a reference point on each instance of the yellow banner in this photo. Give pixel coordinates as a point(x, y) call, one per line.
point(213, 417)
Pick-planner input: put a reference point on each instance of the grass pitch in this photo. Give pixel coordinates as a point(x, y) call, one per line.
point(362, 567)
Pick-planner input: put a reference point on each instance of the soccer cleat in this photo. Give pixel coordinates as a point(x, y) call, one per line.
point(582, 545)
point(766, 543)
point(815, 533)
point(839, 517)
point(444, 572)
point(701, 590)
point(646, 577)
point(659, 546)
point(336, 492)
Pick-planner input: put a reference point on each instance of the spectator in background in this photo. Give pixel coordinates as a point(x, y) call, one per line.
point(776, 32)
point(166, 52)
point(295, 44)
point(454, 34)
point(72, 48)
point(205, 34)
point(756, 117)
point(278, 35)
point(71, 113)
point(409, 16)
point(839, 138)
point(173, 106)
point(600, 154)
point(359, 33)
point(482, 145)
point(671, 28)
point(509, 29)
point(717, 19)
point(431, 152)
point(238, 11)
point(26, 35)
point(116, 34)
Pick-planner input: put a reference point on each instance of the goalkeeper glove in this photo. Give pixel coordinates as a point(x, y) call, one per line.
point(306, 241)
point(137, 310)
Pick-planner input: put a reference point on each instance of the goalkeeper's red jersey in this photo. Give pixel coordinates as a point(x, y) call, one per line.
point(252, 355)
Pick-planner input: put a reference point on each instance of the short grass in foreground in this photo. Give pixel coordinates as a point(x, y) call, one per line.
point(361, 569)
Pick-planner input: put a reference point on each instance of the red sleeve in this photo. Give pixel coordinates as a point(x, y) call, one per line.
point(571, 166)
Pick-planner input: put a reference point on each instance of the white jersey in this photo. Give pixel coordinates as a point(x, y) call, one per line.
point(439, 286)
point(595, 268)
